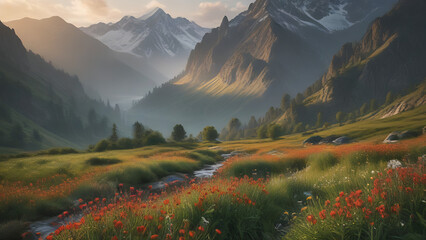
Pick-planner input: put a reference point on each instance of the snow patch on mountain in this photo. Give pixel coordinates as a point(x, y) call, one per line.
point(155, 33)
point(336, 19)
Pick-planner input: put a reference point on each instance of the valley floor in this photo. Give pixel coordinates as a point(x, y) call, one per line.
point(264, 190)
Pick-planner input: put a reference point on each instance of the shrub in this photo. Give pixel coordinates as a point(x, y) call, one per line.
point(322, 161)
point(57, 151)
point(12, 230)
point(274, 131)
point(262, 132)
point(210, 134)
point(102, 161)
point(362, 157)
point(154, 138)
point(132, 176)
point(125, 143)
point(101, 146)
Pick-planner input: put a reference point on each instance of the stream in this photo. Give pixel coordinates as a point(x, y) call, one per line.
point(49, 225)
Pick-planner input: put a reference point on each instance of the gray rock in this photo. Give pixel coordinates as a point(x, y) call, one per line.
point(407, 134)
point(342, 140)
point(392, 137)
point(313, 140)
point(328, 139)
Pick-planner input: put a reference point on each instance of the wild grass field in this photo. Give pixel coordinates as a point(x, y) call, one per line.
point(271, 190)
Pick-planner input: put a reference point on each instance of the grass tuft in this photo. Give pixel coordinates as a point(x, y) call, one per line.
point(95, 161)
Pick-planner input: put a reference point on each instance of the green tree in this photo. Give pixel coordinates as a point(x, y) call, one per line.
point(17, 136)
point(340, 117)
point(389, 98)
point(285, 102)
point(178, 133)
point(252, 123)
point(234, 124)
point(274, 131)
point(154, 138)
point(36, 135)
point(262, 132)
point(210, 134)
point(138, 130)
point(298, 127)
point(114, 135)
point(373, 105)
point(299, 98)
point(363, 109)
point(319, 120)
point(326, 125)
point(101, 146)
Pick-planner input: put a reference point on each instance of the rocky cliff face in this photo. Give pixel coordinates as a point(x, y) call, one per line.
point(388, 58)
point(11, 47)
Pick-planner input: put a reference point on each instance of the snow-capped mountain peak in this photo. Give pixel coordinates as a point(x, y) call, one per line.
point(155, 33)
point(154, 11)
point(325, 15)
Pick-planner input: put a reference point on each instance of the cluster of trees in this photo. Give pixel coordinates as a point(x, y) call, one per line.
point(141, 137)
point(294, 108)
point(17, 138)
point(147, 137)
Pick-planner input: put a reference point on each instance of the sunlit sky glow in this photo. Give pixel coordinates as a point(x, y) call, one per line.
point(86, 12)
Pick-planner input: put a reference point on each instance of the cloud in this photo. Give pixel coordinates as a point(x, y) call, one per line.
point(155, 4)
point(210, 14)
point(79, 12)
point(239, 7)
point(98, 7)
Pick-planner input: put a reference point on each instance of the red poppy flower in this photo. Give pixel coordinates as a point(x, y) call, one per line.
point(141, 229)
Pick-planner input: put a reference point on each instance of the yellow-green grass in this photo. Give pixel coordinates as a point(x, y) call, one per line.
point(235, 220)
point(369, 130)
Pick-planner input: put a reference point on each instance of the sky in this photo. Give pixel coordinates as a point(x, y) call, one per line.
point(207, 13)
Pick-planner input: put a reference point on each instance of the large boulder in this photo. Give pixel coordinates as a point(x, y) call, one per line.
point(396, 136)
point(313, 140)
point(328, 139)
point(407, 134)
point(392, 137)
point(342, 140)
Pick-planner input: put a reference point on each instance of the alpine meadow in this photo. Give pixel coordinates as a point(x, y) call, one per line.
point(209, 120)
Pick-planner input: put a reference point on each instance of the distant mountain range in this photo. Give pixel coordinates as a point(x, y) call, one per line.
point(105, 74)
point(41, 106)
point(157, 37)
point(246, 65)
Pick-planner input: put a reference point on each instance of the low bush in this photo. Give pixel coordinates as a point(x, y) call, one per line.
point(263, 168)
point(154, 138)
point(101, 146)
point(322, 161)
point(132, 175)
point(125, 143)
point(102, 161)
point(13, 230)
